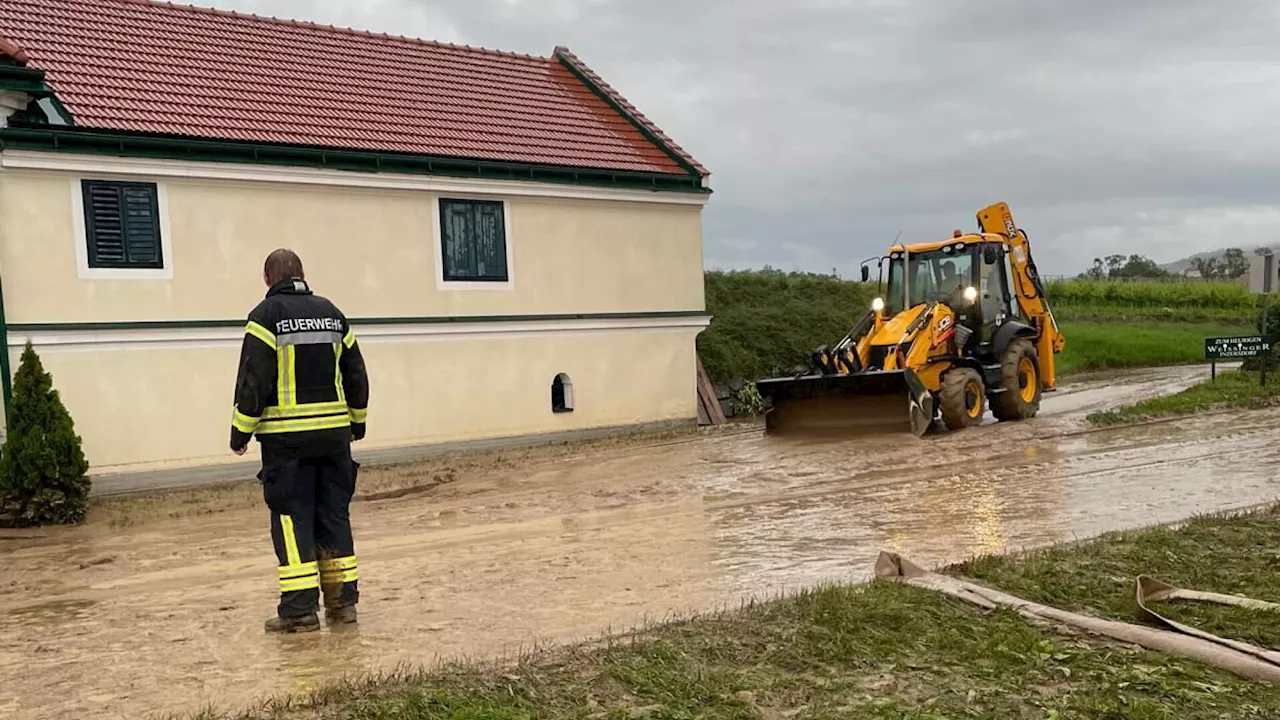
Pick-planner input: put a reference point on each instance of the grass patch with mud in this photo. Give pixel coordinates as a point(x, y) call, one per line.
point(888, 650)
point(1235, 389)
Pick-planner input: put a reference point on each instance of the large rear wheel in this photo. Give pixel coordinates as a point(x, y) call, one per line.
point(1021, 381)
point(963, 398)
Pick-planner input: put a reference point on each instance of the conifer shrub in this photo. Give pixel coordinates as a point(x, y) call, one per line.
point(43, 478)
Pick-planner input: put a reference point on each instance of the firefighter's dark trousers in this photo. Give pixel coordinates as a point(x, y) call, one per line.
point(309, 499)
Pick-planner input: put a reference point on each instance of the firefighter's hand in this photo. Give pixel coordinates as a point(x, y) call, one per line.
point(240, 450)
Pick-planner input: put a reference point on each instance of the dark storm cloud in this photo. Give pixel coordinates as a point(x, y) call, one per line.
point(1136, 126)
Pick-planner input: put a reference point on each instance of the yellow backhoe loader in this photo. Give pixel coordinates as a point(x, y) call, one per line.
point(963, 324)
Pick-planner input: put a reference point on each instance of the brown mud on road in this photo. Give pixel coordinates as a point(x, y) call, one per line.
point(157, 605)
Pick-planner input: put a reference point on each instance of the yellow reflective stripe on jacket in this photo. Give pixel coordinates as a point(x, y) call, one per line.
point(337, 372)
point(261, 333)
point(282, 357)
point(291, 376)
point(330, 422)
point(286, 376)
point(243, 423)
point(350, 338)
point(276, 412)
point(359, 415)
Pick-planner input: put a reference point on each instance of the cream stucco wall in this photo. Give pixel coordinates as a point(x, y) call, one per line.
point(164, 404)
point(372, 251)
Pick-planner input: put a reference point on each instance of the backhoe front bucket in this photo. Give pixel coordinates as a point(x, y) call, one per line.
point(865, 403)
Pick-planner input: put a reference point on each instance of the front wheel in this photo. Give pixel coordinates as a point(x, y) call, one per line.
point(1021, 382)
point(963, 398)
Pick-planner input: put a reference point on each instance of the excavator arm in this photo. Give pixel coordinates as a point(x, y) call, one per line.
point(1028, 289)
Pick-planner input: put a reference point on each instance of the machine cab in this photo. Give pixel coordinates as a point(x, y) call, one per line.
point(969, 274)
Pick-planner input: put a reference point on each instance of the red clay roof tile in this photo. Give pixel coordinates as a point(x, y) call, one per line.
point(144, 66)
point(11, 49)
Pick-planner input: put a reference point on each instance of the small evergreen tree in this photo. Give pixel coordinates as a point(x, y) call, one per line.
point(42, 467)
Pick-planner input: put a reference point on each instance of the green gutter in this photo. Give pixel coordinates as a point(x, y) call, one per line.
point(436, 320)
point(142, 145)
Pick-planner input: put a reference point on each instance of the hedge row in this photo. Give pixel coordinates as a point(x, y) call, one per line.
point(767, 322)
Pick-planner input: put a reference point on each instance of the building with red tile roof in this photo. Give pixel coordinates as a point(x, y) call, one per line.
point(141, 67)
point(516, 206)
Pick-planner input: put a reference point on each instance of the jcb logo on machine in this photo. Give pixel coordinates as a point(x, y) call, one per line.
point(1008, 225)
point(945, 330)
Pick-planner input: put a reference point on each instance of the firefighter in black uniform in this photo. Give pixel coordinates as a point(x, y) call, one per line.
point(301, 389)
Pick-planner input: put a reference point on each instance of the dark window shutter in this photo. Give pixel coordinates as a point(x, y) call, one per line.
point(142, 226)
point(458, 229)
point(104, 225)
point(475, 241)
point(122, 225)
point(491, 242)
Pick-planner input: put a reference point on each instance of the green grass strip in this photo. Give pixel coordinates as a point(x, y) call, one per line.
point(1102, 346)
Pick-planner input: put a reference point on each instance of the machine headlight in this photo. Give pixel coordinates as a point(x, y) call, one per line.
point(877, 305)
point(971, 293)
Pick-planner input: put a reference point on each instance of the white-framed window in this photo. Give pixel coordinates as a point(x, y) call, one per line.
point(561, 394)
point(473, 244)
point(121, 229)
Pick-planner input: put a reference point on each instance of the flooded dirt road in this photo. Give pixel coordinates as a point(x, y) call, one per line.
point(158, 605)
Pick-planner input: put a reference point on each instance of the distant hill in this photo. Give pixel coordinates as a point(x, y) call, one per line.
point(1179, 266)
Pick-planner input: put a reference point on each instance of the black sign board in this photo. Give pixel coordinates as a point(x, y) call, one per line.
point(1231, 348)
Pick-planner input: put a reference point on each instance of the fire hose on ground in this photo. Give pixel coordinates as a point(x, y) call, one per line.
point(1238, 657)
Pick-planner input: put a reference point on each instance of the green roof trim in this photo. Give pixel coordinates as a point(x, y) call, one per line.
point(21, 136)
point(19, 328)
point(24, 79)
point(570, 63)
point(66, 116)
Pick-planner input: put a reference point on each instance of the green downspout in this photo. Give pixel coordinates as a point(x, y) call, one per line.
point(7, 380)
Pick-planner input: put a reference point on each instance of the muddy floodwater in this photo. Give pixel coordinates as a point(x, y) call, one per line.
point(158, 606)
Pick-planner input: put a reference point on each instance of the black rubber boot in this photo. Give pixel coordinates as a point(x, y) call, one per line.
point(340, 615)
point(304, 623)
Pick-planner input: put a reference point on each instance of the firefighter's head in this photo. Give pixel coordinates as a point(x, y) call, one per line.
point(282, 265)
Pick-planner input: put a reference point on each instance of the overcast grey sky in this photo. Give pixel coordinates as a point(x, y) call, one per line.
point(1138, 126)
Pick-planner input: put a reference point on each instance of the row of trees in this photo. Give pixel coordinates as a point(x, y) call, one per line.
point(1233, 264)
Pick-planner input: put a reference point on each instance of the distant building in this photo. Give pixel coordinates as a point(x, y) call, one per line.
point(1256, 273)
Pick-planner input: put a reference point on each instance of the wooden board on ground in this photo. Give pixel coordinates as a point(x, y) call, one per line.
point(709, 410)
